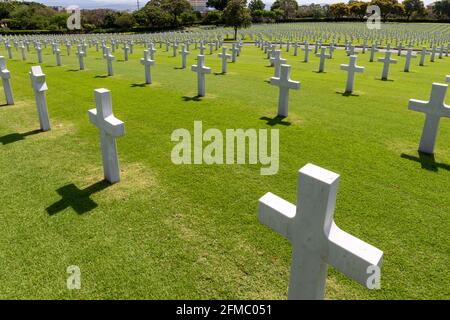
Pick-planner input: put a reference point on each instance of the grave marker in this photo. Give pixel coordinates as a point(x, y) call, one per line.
point(434, 110)
point(5, 75)
point(351, 69)
point(39, 86)
point(387, 61)
point(285, 83)
point(315, 238)
point(147, 62)
point(201, 70)
point(110, 127)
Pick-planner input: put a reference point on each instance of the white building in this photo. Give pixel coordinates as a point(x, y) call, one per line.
point(198, 5)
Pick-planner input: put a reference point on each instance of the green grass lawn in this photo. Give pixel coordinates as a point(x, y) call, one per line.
point(191, 231)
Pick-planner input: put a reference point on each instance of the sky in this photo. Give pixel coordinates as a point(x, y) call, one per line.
point(131, 4)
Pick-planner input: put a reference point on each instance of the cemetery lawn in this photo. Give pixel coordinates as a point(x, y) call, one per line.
point(191, 231)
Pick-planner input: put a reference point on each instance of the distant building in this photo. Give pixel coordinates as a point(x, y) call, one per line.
point(59, 8)
point(198, 5)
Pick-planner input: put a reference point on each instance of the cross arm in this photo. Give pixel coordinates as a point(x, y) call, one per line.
point(418, 105)
point(276, 213)
point(351, 255)
point(93, 116)
point(114, 126)
point(5, 74)
point(294, 84)
point(275, 81)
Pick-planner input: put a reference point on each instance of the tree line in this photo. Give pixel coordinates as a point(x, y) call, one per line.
point(169, 14)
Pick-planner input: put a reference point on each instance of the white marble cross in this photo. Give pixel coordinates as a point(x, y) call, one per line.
point(285, 83)
point(8, 49)
point(351, 50)
point(441, 51)
point(184, 53)
point(68, 46)
point(201, 48)
point(351, 69)
point(408, 55)
point(315, 238)
point(373, 49)
point(109, 59)
point(433, 53)
point(322, 55)
point(423, 53)
point(147, 62)
point(110, 127)
point(331, 49)
point(447, 78)
point(39, 87)
point(22, 50)
point(277, 61)
point(39, 54)
point(125, 52)
point(211, 47)
point(58, 56)
point(80, 55)
point(152, 51)
point(307, 50)
point(201, 71)
point(296, 46)
point(175, 47)
point(5, 75)
point(387, 61)
point(224, 56)
point(434, 109)
point(234, 52)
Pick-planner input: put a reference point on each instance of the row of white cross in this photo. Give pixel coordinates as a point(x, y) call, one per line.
point(316, 240)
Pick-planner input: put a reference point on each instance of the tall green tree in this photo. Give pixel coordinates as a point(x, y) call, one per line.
point(237, 15)
point(389, 8)
point(176, 8)
point(442, 8)
point(217, 4)
point(255, 5)
point(358, 8)
point(339, 10)
point(413, 7)
point(289, 8)
point(125, 20)
point(6, 8)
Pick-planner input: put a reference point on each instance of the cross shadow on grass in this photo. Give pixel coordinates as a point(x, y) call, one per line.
point(179, 68)
point(78, 199)
point(194, 98)
point(427, 161)
point(278, 120)
point(347, 94)
point(14, 137)
point(387, 80)
point(142, 85)
point(219, 73)
point(73, 70)
point(104, 76)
